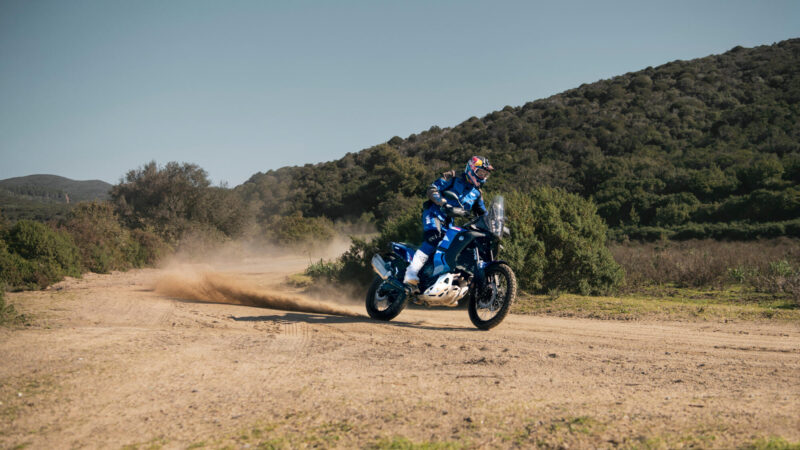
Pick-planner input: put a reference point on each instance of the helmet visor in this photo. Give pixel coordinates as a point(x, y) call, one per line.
point(481, 173)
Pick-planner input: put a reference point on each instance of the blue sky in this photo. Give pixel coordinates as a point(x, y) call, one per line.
point(92, 89)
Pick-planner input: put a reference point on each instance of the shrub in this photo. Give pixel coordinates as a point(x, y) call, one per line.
point(147, 248)
point(405, 227)
point(558, 242)
point(352, 267)
point(779, 277)
point(326, 270)
point(356, 262)
point(8, 314)
point(104, 244)
point(43, 255)
point(15, 271)
point(297, 230)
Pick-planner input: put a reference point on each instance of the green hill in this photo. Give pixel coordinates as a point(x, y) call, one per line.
point(707, 147)
point(46, 197)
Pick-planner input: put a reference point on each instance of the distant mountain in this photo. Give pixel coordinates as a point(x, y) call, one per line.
point(707, 147)
point(46, 197)
point(54, 187)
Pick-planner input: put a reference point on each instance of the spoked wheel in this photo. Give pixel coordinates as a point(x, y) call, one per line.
point(489, 306)
point(383, 301)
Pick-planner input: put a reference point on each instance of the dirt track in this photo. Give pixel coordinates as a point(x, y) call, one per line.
point(109, 361)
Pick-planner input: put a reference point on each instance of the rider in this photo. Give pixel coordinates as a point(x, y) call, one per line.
point(438, 210)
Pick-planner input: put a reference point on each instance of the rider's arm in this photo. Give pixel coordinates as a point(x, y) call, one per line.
point(479, 208)
point(436, 188)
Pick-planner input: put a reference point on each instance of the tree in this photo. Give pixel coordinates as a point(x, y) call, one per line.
point(176, 198)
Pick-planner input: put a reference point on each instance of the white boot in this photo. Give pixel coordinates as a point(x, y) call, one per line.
point(413, 269)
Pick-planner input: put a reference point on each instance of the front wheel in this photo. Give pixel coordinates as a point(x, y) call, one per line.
point(383, 301)
point(489, 306)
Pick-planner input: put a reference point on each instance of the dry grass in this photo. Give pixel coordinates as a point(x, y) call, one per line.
point(769, 266)
point(666, 303)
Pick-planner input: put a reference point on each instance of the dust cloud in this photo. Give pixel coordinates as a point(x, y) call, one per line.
point(247, 275)
point(222, 288)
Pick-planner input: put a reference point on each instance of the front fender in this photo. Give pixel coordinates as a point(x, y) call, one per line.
point(480, 277)
point(493, 263)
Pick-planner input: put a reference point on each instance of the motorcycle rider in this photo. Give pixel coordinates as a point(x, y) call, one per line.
point(438, 211)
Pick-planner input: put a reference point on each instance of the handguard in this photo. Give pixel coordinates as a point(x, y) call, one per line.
point(453, 211)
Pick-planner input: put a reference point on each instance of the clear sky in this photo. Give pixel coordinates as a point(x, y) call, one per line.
point(92, 89)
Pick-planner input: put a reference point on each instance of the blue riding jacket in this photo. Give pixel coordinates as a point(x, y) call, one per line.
point(434, 217)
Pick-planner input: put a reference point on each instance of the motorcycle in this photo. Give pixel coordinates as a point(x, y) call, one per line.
point(464, 265)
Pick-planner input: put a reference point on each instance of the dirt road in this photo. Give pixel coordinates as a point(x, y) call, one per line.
point(109, 361)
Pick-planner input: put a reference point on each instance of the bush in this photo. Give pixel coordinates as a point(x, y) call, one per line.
point(297, 230)
point(37, 255)
point(15, 271)
point(325, 270)
point(405, 227)
point(779, 277)
point(7, 312)
point(104, 244)
point(353, 267)
point(558, 242)
point(355, 263)
point(148, 248)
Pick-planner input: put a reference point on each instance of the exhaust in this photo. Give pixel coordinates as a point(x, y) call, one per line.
point(379, 266)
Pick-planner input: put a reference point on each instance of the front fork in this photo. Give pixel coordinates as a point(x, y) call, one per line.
point(480, 277)
point(481, 284)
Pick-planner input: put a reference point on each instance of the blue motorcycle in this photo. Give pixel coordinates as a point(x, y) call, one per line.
point(464, 265)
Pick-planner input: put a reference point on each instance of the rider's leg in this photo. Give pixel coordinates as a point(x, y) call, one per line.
point(432, 236)
point(419, 260)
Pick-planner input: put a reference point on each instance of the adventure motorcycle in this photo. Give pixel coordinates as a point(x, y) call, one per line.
point(463, 265)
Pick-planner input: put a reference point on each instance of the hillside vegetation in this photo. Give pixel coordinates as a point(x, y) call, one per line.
point(44, 197)
point(690, 149)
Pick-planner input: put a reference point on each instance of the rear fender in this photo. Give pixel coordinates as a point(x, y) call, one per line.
point(403, 251)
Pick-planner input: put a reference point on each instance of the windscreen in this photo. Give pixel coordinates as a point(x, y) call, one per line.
point(497, 216)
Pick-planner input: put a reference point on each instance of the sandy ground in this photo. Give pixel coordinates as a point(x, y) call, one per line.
point(120, 359)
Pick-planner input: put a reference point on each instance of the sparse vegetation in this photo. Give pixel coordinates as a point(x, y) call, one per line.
point(772, 443)
point(8, 314)
point(764, 266)
point(402, 443)
point(665, 303)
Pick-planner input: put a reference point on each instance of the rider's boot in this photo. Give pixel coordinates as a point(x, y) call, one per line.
point(412, 279)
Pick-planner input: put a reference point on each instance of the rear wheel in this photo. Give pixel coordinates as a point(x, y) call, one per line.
point(383, 301)
point(489, 306)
